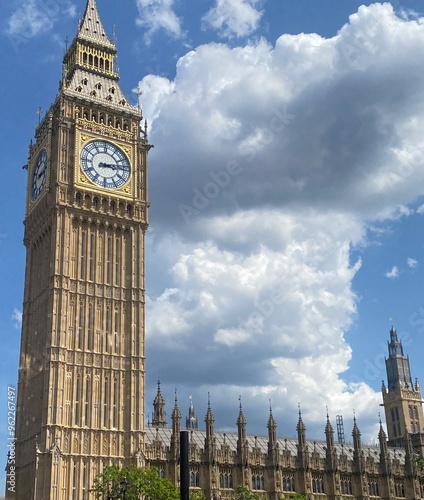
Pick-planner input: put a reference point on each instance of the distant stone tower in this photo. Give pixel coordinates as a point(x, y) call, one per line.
point(402, 399)
point(191, 421)
point(81, 374)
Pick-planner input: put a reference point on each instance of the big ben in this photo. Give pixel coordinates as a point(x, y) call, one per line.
point(81, 374)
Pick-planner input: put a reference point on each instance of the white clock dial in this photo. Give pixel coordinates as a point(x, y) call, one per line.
point(105, 164)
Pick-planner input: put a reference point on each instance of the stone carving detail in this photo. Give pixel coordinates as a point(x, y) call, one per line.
point(75, 445)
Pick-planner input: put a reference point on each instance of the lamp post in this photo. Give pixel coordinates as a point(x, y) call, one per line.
point(124, 486)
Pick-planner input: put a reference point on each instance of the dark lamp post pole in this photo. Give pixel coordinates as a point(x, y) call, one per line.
point(124, 486)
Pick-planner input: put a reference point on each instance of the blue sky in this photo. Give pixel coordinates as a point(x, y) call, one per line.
point(286, 186)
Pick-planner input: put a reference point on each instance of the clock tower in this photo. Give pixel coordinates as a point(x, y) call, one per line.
point(81, 374)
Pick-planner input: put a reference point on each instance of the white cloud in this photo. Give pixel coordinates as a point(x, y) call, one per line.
point(412, 263)
point(17, 318)
point(35, 17)
point(286, 155)
point(158, 15)
point(233, 17)
point(393, 273)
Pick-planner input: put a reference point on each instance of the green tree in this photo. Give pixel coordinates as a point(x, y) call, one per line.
point(296, 496)
point(141, 483)
point(197, 495)
point(243, 493)
point(420, 463)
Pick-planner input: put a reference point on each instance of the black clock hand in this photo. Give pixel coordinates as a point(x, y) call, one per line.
point(108, 165)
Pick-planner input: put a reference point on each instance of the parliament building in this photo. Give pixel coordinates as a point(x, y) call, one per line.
point(275, 467)
point(80, 403)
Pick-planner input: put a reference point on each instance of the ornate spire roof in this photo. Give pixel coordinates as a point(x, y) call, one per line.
point(91, 27)
point(159, 415)
point(271, 421)
point(241, 420)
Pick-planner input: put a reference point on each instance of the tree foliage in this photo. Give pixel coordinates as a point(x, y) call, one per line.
point(243, 493)
point(296, 496)
point(420, 463)
point(197, 495)
point(141, 483)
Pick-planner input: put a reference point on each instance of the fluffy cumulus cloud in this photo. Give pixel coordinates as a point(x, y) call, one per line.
point(271, 162)
point(233, 18)
point(158, 15)
point(34, 17)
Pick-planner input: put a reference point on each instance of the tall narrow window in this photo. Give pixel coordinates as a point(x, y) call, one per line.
point(105, 399)
point(92, 253)
point(108, 259)
point(90, 328)
point(74, 482)
point(82, 257)
point(115, 404)
point(87, 402)
point(108, 329)
point(117, 261)
point(77, 400)
point(84, 481)
point(80, 325)
point(97, 403)
point(116, 333)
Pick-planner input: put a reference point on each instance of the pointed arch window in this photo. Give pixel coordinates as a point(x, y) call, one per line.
point(288, 482)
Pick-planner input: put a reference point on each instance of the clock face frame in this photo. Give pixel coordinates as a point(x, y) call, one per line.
point(105, 164)
point(39, 176)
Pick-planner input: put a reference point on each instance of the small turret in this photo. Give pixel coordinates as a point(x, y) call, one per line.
point(241, 425)
point(272, 429)
point(358, 458)
point(209, 420)
point(384, 454)
point(176, 417)
point(159, 415)
point(191, 421)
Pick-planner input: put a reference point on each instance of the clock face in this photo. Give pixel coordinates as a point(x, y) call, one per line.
point(39, 175)
point(105, 164)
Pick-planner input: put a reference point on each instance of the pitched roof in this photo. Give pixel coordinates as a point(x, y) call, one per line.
point(91, 27)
